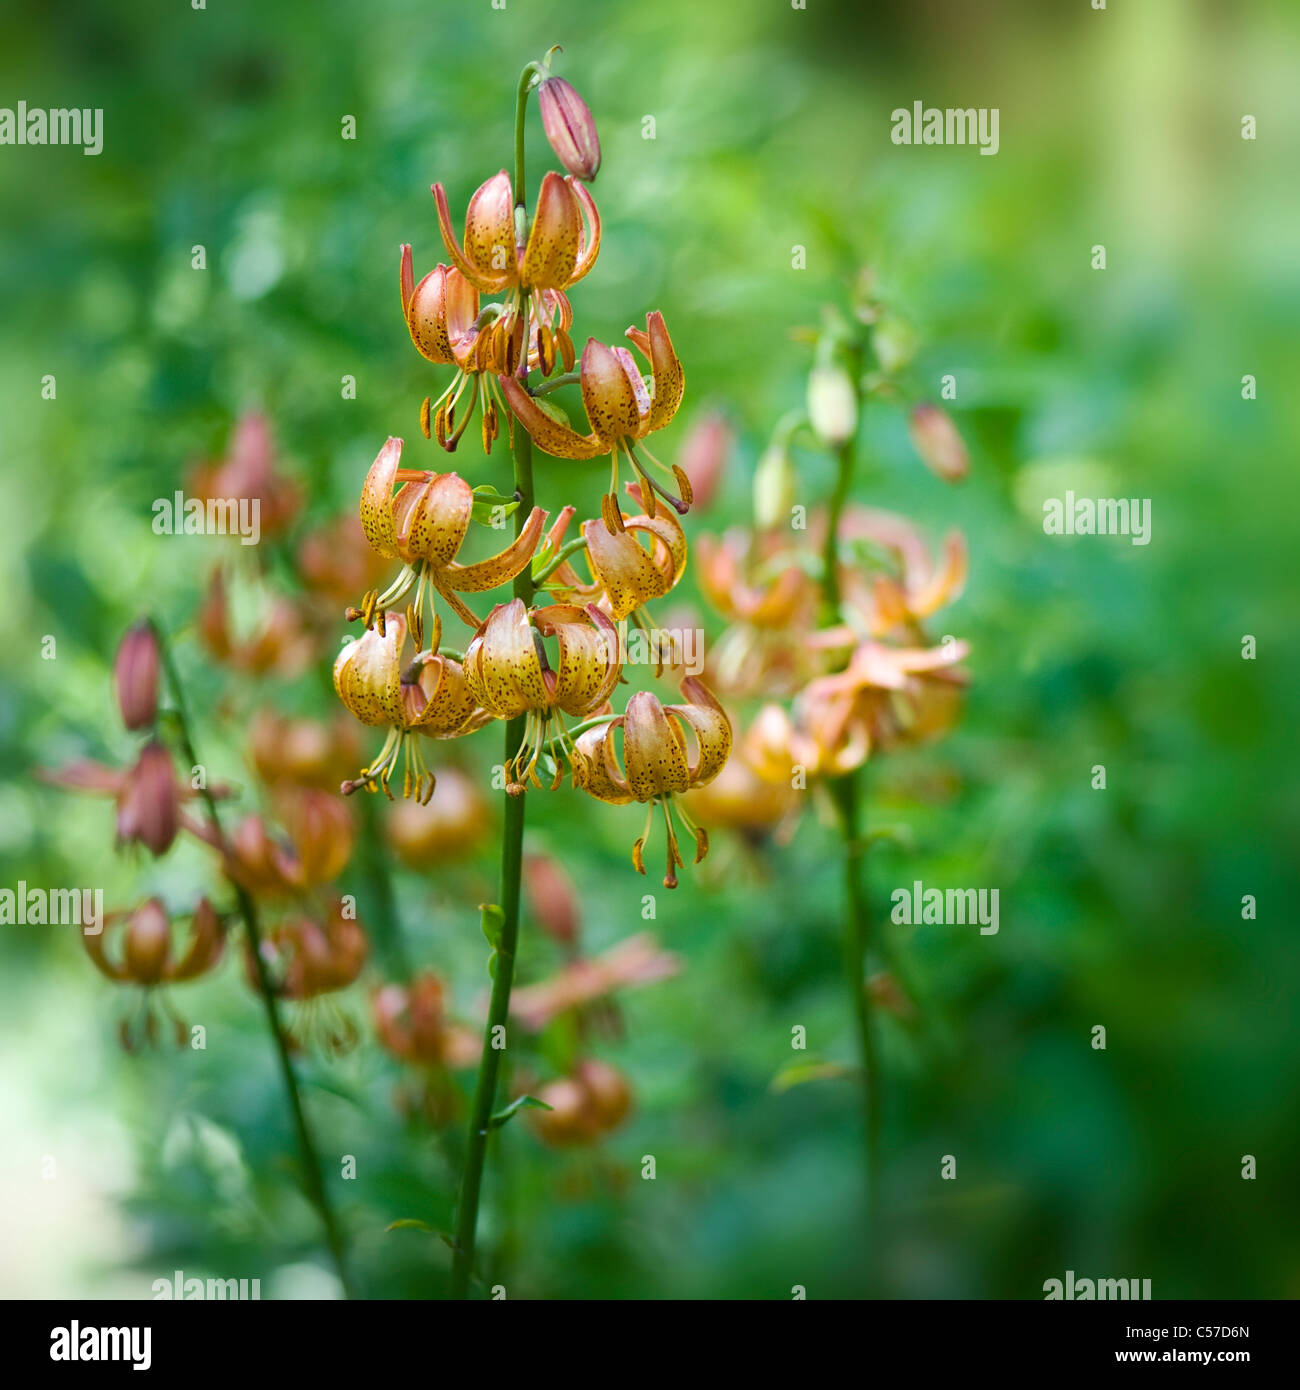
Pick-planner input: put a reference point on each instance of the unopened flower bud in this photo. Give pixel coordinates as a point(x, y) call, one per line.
point(774, 487)
point(147, 943)
point(895, 343)
point(832, 404)
point(569, 127)
point(935, 438)
point(135, 673)
point(148, 810)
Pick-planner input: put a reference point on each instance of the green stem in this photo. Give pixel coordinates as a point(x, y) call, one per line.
point(565, 551)
point(554, 384)
point(512, 854)
point(312, 1173)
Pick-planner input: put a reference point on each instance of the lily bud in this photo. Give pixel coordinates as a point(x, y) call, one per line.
point(569, 127)
point(774, 487)
point(832, 404)
point(135, 673)
point(148, 810)
point(935, 438)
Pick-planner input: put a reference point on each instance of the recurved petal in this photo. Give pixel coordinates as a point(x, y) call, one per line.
point(654, 752)
point(608, 394)
point(206, 942)
point(712, 730)
point(426, 313)
point(500, 568)
point(625, 571)
point(502, 665)
point(547, 433)
point(490, 230)
point(595, 769)
point(433, 524)
point(377, 499)
point(948, 580)
point(553, 241)
point(367, 674)
point(487, 279)
point(666, 368)
point(449, 702)
point(588, 666)
point(590, 247)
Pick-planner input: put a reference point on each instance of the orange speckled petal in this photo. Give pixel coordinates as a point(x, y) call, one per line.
point(654, 752)
point(377, 499)
point(627, 574)
point(487, 574)
point(450, 703)
point(553, 241)
point(549, 434)
point(367, 674)
point(588, 666)
point(488, 279)
point(505, 673)
point(590, 247)
point(712, 730)
point(595, 769)
point(669, 377)
point(434, 526)
point(608, 394)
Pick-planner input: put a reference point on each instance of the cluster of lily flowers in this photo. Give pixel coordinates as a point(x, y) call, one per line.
point(557, 658)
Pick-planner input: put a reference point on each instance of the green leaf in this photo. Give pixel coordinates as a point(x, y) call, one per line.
point(488, 502)
point(493, 921)
point(523, 1103)
point(414, 1224)
point(798, 1073)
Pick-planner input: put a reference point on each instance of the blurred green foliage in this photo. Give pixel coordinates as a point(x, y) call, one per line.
point(1119, 907)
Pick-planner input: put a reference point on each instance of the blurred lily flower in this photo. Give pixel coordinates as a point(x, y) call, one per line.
point(289, 751)
point(659, 763)
point(450, 827)
point(425, 524)
point(279, 642)
point(621, 409)
point(704, 454)
point(248, 473)
point(639, 960)
point(585, 1106)
point(336, 561)
point(553, 899)
point(429, 696)
point(509, 673)
point(921, 586)
point(411, 1023)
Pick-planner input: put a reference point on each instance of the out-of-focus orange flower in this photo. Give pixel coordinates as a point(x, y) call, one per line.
point(510, 674)
point(429, 696)
point(621, 411)
point(412, 1024)
point(424, 525)
point(553, 899)
point(894, 604)
point(704, 454)
point(935, 438)
point(450, 827)
point(584, 1107)
point(638, 960)
point(279, 643)
point(248, 472)
point(302, 752)
point(336, 561)
point(658, 761)
point(309, 957)
point(740, 799)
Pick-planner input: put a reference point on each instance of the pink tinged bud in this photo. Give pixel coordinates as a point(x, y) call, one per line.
point(569, 127)
point(135, 673)
point(553, 900)
point(832, 404)
point(935, 438)
point(148, 810)
point(704, 454)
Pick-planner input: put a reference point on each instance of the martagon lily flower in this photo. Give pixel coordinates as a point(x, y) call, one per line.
point(625, 574)
point(659, 763)
point(509, 673)
point(424, 524)
point(430, 696)
point(442, 315)
point(622, 411)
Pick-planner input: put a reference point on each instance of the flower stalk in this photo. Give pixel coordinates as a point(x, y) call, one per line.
point(312, 1172)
